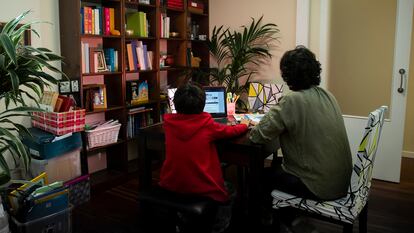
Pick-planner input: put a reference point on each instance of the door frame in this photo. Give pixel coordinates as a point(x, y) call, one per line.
point(388, 161)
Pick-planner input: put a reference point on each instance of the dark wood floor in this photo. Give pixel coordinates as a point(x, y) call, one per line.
point(391, 208)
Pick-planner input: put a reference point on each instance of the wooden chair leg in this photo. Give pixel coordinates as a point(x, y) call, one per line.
point(348, 228)
point(363, 219)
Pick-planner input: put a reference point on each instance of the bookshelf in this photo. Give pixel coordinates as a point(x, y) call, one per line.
point(138, 45)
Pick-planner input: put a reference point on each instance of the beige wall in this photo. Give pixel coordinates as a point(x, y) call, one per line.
point(235, 13)
point(409, 117)
point(314, 30)
point(361, 54)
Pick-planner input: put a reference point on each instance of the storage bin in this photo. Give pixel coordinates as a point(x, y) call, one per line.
point(41, 145)
point(60, 123)
point(59, 222)
point(61, 168)
point(79, 190)
point(103, 136)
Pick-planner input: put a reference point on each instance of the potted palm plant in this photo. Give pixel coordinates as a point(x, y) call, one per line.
point(23, 77)
point(239, 54)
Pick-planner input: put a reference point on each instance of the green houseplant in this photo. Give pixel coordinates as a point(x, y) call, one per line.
point(23, 78)
point(239, 54)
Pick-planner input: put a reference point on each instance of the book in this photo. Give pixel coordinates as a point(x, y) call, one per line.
point(58, 104)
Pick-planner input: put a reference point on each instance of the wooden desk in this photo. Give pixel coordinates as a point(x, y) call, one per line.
point(239, 151)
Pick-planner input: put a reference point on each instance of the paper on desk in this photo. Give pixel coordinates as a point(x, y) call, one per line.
point(253, 117)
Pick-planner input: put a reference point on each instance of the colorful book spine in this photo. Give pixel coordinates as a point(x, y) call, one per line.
point(107, 21)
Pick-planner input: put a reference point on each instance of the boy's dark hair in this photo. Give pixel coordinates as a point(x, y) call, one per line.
point(189, 99)
point(300, 69)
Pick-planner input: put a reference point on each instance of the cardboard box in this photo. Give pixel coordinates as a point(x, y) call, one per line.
point(60, 168)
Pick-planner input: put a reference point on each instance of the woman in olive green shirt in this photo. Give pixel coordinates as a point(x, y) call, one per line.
point(317, 161)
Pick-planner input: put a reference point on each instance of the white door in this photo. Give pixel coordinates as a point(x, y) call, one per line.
point(362, 52)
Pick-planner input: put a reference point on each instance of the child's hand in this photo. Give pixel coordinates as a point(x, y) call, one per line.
point(247, 122)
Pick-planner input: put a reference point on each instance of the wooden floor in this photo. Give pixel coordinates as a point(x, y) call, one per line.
point(391, 208)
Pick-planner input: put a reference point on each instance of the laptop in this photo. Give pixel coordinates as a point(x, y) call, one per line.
point(216, 103)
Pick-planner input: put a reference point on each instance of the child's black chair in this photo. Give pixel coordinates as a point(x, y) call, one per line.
point(172, 212)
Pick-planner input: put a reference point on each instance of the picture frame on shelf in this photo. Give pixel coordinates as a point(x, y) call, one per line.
point(101, 63)
point(99, 97)
point(96, 98)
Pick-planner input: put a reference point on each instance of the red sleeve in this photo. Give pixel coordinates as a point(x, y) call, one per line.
point(220, 131)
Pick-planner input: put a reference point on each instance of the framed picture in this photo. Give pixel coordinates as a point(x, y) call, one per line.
point(26, 37)
point(100, 61)
point(95, 97)
point(99, 97)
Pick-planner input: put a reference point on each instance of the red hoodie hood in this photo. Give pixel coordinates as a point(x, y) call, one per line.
point(184, 126)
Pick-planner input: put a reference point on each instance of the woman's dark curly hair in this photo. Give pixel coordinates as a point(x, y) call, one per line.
point(300, 69)
point(189, 98)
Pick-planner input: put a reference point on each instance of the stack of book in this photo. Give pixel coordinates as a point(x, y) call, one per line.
point(176, 4)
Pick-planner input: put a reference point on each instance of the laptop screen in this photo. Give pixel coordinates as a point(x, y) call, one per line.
point(216, 101)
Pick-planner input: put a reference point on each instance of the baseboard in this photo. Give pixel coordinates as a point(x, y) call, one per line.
point(408, 154)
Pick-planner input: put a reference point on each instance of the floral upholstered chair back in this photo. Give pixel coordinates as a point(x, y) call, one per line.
point(263, 96)
point(362, 170)
point(347, 208)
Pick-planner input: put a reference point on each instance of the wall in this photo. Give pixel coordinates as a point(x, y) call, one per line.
point(42, 10)
point(235, 13)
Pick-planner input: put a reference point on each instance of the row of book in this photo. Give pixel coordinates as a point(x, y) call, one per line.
point(95, 59)
point(138, 56)
point(138, 118)
point(165, 26)
point(53, 102)
point(138, 24)
point(97, 20)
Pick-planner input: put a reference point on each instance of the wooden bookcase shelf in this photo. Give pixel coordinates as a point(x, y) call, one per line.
point(187, 24)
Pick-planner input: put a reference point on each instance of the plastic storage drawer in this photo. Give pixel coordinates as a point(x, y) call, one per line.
point(59, 222)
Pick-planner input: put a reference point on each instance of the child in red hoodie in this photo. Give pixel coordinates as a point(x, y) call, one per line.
point(192, 165)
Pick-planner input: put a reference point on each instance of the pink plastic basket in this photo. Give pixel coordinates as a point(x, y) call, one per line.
point(103, 136)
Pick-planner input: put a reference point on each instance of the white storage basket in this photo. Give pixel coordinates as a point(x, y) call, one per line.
point(103, 136)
